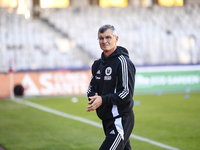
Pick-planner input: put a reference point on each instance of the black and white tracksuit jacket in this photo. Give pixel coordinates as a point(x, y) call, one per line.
point(113, 78)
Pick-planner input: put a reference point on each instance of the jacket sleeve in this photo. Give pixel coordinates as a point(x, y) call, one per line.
point(92, 89)
point(125, 84)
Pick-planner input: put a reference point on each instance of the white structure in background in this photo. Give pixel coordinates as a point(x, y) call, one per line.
point(153, 35)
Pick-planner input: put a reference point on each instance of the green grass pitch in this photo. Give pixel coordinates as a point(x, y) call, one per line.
point(171, 119)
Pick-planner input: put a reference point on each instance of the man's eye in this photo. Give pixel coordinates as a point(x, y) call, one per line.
point(108, 37)
point(101, 39)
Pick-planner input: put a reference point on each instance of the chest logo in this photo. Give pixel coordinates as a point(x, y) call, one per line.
point(98, 72)
point(108, 71)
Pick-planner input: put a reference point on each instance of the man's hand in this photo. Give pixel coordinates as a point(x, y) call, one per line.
point(94, 103)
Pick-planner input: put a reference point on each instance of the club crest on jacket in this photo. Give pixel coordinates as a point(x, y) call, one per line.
point(108, 72)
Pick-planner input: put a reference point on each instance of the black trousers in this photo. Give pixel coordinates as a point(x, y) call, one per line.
point(117, 133)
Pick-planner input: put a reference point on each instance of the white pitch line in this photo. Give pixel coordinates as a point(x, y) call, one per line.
point(59, 113)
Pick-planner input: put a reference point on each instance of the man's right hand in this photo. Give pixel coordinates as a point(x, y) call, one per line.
point(94, 103)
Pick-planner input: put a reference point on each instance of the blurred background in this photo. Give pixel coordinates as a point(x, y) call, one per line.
point(52, 35)
point(47, 48)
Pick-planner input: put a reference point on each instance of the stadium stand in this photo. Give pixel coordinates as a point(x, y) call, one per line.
point(28, 44)
point(154, 35)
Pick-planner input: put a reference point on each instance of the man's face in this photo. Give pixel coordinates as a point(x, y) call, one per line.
point(107, 41)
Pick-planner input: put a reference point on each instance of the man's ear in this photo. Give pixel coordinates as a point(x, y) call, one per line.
point(117, 38)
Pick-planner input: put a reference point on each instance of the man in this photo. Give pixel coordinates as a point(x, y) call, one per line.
point(111, 91)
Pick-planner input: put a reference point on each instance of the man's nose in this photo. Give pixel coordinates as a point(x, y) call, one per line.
point(104, 40)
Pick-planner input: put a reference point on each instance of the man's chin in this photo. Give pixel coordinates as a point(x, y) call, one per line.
point(105, 48)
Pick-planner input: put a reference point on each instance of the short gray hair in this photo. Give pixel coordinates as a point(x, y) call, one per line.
point(106, 27)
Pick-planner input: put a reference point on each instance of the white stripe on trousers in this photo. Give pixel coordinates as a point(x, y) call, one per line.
point(116, 142)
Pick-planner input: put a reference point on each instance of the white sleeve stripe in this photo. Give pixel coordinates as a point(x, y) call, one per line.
point(125, 92)
point(89, 89)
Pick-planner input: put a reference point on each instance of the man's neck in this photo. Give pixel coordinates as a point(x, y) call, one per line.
point(108, 53)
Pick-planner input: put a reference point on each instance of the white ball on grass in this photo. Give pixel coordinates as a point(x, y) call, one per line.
point(74, 99)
